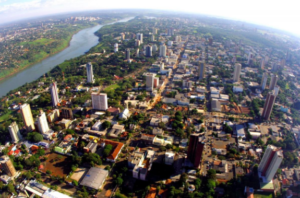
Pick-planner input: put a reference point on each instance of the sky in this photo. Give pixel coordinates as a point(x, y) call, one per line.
point(281, 14)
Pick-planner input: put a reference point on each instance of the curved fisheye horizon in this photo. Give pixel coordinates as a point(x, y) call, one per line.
point(267, 13)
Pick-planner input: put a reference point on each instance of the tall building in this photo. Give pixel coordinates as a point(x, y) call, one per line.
point(201, 70)
point(7, 166)
point(162, 67)
point(127, 54)
point(154, 30)
point(178, 38)
point(276, 90)
point(42, 123)
point(262, 64)
point(122, 36)
point(149, 51)
point(139, 36)
point(270, 162)
point(237, 72)
point(54, 94)
point(99, 101)
point(269, 103)
point(264, 81)
point(154, 48)
point(150, 82)
point(273, 81)
point(137, 52)
point(116, 47)
point(137, 43)
point(27, 117)
point(162, 50)
point(14, 132)
point(170, 31)
point(89, 73)
point(249, 58)
point(195, 149)
point(67, 113)
point(152, 38)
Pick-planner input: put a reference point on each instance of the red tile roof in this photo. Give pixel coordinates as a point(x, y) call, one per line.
point(117, 148)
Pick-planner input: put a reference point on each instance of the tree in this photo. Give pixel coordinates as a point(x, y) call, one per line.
point(198, 183)
point(75, 183)
point(106, 124)
point(119, 181)
point(183, 178)
point(212, 174)
point(107, 150)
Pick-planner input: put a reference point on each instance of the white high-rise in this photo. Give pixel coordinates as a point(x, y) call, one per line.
point(273, 82)
point(116, 47)
point(99, 101)
point(54, 94)
point(264, 81)
point(237, 72)
point(162, 67)
point(14, 132)
point(139, 36)
point(89, 73)
point(150, 82)
point(270, 162)
point(42, 123)
point(27, 117)
point(162, 50)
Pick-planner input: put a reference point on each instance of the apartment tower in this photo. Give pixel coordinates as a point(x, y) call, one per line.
point(237, 72)
point(201, 70)
point(27, 117)
point(195, 149)
point(14, 132)
point(273, 82)
point(7, 166)
point(89, 73)
point(269, 103)
point(99, 101)
point(54, 94)
point(42, 123)
point(264, 81)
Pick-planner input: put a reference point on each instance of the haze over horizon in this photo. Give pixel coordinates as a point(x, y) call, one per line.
point(275, 14)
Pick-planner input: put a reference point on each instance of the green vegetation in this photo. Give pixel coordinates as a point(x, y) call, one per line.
point(34, 137)
point(107, 150)
point(263, 195)
point(111, 87)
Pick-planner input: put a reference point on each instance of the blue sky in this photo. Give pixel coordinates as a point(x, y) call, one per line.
point(273, 13)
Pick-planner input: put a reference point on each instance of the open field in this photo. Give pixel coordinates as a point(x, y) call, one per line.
point(6, 116)
point(41, 41)
point(111, 87)
point(57, 164)
point(77, 175)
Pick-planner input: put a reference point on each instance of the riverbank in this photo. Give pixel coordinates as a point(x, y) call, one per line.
point(66, 44)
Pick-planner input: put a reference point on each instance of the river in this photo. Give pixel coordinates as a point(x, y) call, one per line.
point(80, 43)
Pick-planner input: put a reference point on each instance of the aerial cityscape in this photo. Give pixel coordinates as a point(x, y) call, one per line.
point(147, 104)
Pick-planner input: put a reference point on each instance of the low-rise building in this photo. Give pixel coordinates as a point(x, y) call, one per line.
point(95, 178)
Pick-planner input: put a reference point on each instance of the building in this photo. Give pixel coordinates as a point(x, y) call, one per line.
point(269, 103)
point(273, 81)
point(264, 81)
point(169, 157)
point(53, 115)
point(137, 43)
point(262, 64)
point(67, 113)
point(89, 73)
point(152, 38)
point(148, 51)
point(195, 149)
point(94, 178)
point(215, 105)
point(250, 56)
point(150, 82)
point(27, 117)
point(201, 70)
point(127, 54)
point(54, 94)
point(139, 36)
point(154, 30)
point(276, 90)
point(237, 72)
point(7, 166)
point(42, 123)
point(170, 31)
point(162, 50)
point(270, 162)
point(14, 132)
point(137, 52)
point(99, 101)
point(116, 47)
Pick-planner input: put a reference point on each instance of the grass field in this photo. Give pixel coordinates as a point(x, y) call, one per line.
point(41, 41)
point(287, 86)
point(111, 87)
point(263, 195)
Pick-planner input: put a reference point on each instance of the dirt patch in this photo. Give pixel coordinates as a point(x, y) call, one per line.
point(58, 164)
point(77, 175)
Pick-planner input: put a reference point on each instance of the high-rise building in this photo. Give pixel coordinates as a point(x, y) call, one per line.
point(276, 90)
point(237, 72)
point(137, 52)
point(170, 31)
point(262, 64)
point(27, 117)
point(7, 166)
point(201, 70)
point(122, 36)
point(154, 30)
point(139, 36)
point(249, 58)
point(273, 81)
point(195, 149)
point(152, 38)
point(42, 123)
point(116, 47)
point(99, 101)
point(14, 132)
point(67, 113)
point(149, 51)
point(269, 103)
point(154, 48)
point(162, 50)
point(270, 162)
point(137, 43)
point(264, 81)
point(162, 67)
point(89, 73)
point(127, 54)
point(54, 94)
point(53, 116)
point(178, 38)
point(150, 82)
